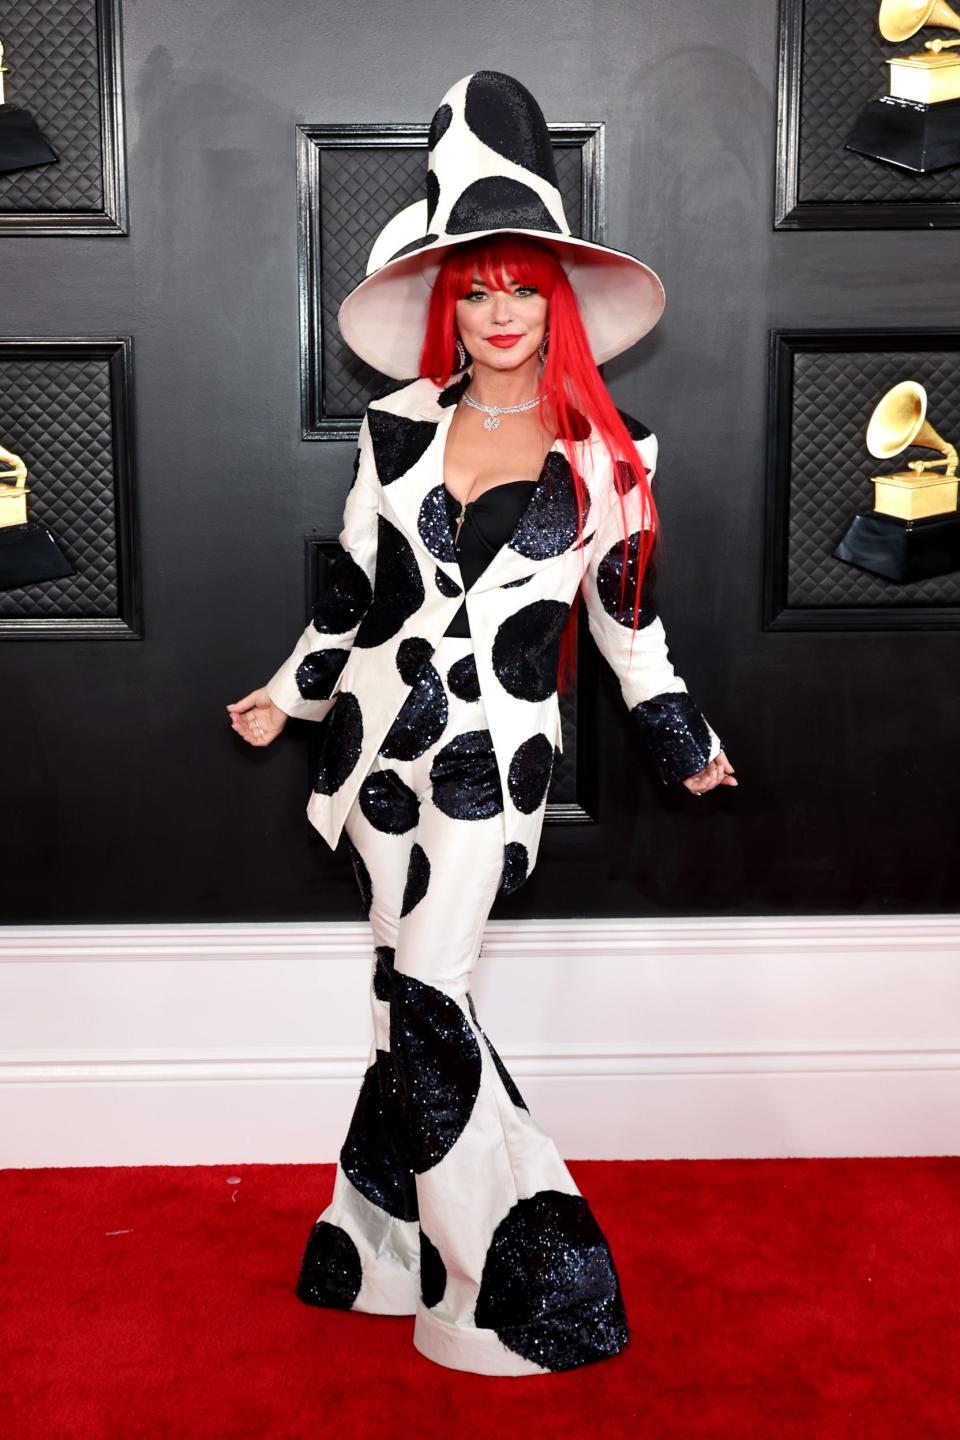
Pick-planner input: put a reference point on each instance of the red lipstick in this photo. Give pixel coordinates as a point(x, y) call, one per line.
point(503, 341)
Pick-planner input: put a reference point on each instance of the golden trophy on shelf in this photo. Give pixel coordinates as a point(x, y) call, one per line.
point(913, 531)
point(29, 550)
point(916, 126)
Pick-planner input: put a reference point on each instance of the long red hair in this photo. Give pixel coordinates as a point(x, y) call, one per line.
point(572, 391)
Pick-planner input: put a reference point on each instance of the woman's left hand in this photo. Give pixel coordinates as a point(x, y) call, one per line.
point(717, 771)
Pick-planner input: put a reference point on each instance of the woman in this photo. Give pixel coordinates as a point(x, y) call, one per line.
point(489, 493)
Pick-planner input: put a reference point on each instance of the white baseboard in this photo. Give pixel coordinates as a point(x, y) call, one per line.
point(629, 1039)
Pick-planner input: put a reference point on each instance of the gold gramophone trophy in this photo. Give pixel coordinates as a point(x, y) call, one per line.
point(916, 126)
point(21, 143)
point(913, 531)
point(29, 551)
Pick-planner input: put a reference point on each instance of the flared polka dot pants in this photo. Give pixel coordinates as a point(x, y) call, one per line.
point(450, 1203)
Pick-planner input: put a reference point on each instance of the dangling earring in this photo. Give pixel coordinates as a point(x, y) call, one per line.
point(461, 354)
point(542, 347)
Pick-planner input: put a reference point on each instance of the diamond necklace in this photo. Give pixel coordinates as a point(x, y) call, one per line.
point(493, 412)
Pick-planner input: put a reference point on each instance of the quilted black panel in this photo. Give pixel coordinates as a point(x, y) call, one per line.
point(842, 68)
point(56, 415)
point(54, 72)
point(830, 467)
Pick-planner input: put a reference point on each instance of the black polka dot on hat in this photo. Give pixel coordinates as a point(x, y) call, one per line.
point(383, 971)
point(445, 585)
point(433, 194)
point(412, 654)
point(609, 573)
point(319, 671)
point(362, 873)
point(433, 525)
point(388, 803)
point(438, 1067)
point(398, 443)
point(549, 1288)
point(549, 525)
point(516, 863)
point(433, 1272)
point(439, 125)
point(398, 589)
point(412, 245)
point(330, 1272)
point(418, 879)
point(463, 679)
point(505, 116)
point(529, 773)
point(372, 1155)
point(421, 719)
point(514, 204)
point(465, 779)
point(526, 649)
point(502, 1071)
point(345, 598)
point(339, 744)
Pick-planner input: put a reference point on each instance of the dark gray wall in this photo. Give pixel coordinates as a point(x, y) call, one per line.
point(125, 794)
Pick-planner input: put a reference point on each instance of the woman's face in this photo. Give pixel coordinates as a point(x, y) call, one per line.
point(516, 317)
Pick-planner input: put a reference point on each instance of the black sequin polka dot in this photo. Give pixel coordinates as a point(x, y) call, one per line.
point(433, 1272)
point(516, 864)
point(453, 392)
point(319, 671)
point(398, 589)
point(433, 194)
point(412, 654)
point(439, 125)
point(635, 428)
point(383, 972)
point(445, 585)
point(372, 1155)
point(390, 805)
point(418, 879)
point(549, 526)
point(398, 443)
point(549, 1288)
point(502, 1071)
point(505, 116)
point(463, 679)
point(438, 1067)
point(345, 599)
point(339, 744)
point(676, 732)
point(412, 245)
point(330, 1272)
point(433, 525)
point(529, 774)
point(421, 718)
point(498, 202)
point(465, 779)
point(511, 584)
point(609, 573)
point(526, 649)
point(362, 873)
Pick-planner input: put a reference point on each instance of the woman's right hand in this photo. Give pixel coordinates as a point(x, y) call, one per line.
point(256, 719)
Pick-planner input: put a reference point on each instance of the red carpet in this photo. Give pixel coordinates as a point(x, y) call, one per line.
point(766, 1298)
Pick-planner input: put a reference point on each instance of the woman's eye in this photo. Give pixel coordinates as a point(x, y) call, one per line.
point(532, 288)
point(475, 295)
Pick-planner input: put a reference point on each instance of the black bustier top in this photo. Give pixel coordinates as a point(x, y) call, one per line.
point(488, 523)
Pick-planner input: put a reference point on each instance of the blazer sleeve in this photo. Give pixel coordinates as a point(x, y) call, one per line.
point(679, 737)
point(302, 686)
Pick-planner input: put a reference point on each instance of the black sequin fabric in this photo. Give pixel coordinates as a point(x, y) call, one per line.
point(609, 573)
point(398, 443)
point(433, 1273)
point(398, 589)
point(373, 1154)
point(418, 879)
point(526, 649)
point(433, 524)
point(550, 1290)
point(438, 1067)
point(412, 654)
point(676, 732)
point(383, 971)
point(465, 777)
point(319, 671)
point(346, 598)
point(330, 1271)
point(445, 585)
point(507, 117)
point(421, 718)
point(339, 744)
point(549, 524)
point(388, 803)
point(498, 202)
point(463, 679)
point(528, 776)
point(516, 864)
point(439, 125)
point(362, 875)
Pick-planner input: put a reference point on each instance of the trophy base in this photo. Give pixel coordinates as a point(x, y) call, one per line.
point(21, 143)
point(909, 134)
point(902, 550)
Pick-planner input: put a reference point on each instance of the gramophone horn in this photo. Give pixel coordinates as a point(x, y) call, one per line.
point(900, 419)
point(899, 19)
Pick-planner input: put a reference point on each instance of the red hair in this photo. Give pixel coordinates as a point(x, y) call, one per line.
point(572, 390)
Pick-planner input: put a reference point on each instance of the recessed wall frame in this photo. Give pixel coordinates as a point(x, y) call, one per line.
point(572, 797)
point(823, 388)
point(831, 63)
point(85, 191)
point(350, 180)
point(65, 409)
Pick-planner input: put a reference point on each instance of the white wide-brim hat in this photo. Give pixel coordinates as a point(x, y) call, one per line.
point(490, 169)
